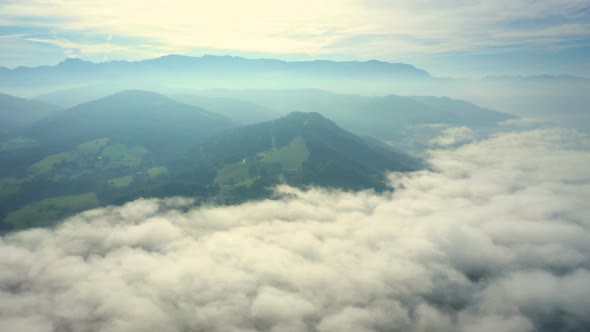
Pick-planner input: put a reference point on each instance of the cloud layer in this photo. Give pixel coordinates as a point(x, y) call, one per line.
point(495, 238)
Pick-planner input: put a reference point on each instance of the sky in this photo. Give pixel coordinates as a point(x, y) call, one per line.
point(446, 37)
point(494, 237)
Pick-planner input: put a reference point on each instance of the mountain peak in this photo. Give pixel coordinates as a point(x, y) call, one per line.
point(139, 93)
point(306, 118)
point(72, 61)
point(305, 149)
point(305, 115)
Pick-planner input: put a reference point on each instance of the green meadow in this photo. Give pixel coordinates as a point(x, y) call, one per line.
point(93, 147)
point(43, 212)
point(16, 144)
point(290, 157)
point(155, 172)
point(123, 155)
point(49, 163)
point(11, 186)
point(121, 182)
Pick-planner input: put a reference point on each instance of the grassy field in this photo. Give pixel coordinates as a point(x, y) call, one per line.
point(93, 147)
point(233, 175)
point(155, 172)
point(291, 157)
point(48, 163)
point(123, 155)
point(16, 144)
point(122, 182)
point(92, 157)
point(42, 213)
point(10, 186)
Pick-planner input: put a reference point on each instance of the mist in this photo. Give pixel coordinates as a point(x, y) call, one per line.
point(494, 237)
point(561, 100)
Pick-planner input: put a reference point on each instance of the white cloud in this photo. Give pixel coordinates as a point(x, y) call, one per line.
point(496, 237)
point(352, 29)
point(453, 136)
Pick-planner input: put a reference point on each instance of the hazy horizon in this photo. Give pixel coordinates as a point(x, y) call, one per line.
point(486, 76)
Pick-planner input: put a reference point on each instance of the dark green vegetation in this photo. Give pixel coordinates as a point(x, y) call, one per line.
point(42, 212)
point(140, 144)
point(91, 174)
point(107, 148)
point(301, 149)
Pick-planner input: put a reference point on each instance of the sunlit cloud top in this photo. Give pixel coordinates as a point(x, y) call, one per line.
point(33, 32)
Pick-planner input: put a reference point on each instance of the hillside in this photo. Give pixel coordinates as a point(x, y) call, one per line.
point(16, 113)
point(303, 149)
point(133, 117)
point(49, 181)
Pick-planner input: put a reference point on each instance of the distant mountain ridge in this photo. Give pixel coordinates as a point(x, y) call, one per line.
point(545, 77)
point(379, 116)
point(75, 71)
point(184, 62)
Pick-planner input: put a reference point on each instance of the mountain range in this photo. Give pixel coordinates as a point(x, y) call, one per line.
point(561, 99)
point(182, 69)
point(142, 144)
point(382, 116)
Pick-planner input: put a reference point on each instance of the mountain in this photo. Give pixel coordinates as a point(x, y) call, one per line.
point(208, 70)
point(134, 117)
point(241, 163)
point(300, 149)
point(381, 116)
point(561, 98)
point(460, 112)
point(69, 98)
point(16, 113)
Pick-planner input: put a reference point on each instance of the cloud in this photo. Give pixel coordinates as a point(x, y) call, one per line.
point(388, 30)
point(100, 51)
point(453, 136)
point(495, 237)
